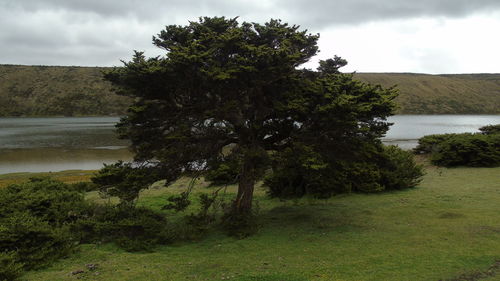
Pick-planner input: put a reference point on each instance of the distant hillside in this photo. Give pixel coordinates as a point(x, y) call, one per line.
point(57, 91)
point(80, 91)
point(442, 94)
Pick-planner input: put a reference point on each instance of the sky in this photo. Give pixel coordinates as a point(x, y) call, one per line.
point(420, 36)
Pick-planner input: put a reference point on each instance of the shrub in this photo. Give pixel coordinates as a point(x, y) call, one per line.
point(34, 218)
point(131, 228)
point(467, 149)
point(48, 200)
point(35, 241)
point(10, 269)
point(476, 150)
point(490, 129)
point(84, 186)
point(302, 171)
point(399, 169)
point(430, 143)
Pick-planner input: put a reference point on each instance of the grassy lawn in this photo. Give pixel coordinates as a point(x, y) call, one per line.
point(448, 226)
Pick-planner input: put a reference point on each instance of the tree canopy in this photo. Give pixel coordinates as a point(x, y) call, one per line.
point(229, 90)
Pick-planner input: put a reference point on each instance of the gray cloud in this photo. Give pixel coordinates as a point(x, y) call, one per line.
point(101, 32)
point(319, 13)
point(314, 14)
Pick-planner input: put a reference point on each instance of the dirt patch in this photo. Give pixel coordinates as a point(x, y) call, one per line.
point(492, 271)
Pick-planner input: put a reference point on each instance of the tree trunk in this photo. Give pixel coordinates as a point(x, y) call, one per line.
point(243, 203)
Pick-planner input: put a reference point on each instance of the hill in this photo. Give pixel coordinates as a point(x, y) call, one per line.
point(442, 94)
point(80, 91)
point(57, 91)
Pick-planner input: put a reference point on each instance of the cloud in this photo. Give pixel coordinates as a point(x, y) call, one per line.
point(320, 14)
point(315, 14)
point(374, 35)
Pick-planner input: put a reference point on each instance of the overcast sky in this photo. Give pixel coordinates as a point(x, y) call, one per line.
point(424, 36)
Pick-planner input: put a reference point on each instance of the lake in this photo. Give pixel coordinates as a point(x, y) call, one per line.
point(85, 143)
point(56, 144)
point(407, 129)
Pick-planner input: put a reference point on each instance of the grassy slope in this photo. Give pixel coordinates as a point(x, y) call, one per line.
point(448, 226)
point(56, 91)
point(64, 90)
point(442, 94)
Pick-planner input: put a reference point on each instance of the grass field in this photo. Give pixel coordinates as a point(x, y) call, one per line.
point(446, 229)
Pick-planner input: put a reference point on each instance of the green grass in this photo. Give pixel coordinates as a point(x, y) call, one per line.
point(448, 226)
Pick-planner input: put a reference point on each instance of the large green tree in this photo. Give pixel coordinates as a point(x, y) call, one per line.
point(225, 89)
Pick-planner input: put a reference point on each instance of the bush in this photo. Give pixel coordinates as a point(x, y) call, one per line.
point(10, 269)
point(490, 129)
point(84, 186)
point(467, 149)
point(430, 143)
point(131, 228)
point(475, 150)
point(35, 241)
point(34, 218)
point(48, 200)
point(302, 171)
point(399, 169)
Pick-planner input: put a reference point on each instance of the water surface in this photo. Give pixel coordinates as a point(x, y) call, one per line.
point(407, 129)
point(56, 144)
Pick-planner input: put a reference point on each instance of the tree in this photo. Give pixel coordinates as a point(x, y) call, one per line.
point(238, 87)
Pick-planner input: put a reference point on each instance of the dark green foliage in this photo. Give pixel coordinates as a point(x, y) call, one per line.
point(47, 200)
point(131, 228)
point(177, 202)
point(476, 150)
point(124, 181)
point(224, 84)
point(84, 186)
point(238, 224)
point(200, 222)
point(398, 169)
point(220, 83)
point(490, 129)
point(467, 149)
point(35, 241)
point(10, 269)
point(34, 219)
point(301, 171)
point(223, 172)
point(430, 143)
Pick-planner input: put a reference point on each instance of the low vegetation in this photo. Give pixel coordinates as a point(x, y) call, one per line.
point(444, 229)
point(467, 149)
